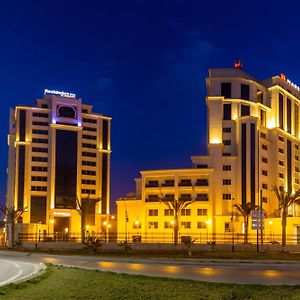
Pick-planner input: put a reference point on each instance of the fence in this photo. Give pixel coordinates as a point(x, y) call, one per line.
point(159, 237)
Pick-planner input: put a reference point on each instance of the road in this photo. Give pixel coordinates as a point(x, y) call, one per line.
point(12, 270)
point(248, 272)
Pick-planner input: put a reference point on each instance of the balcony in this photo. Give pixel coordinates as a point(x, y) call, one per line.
point(168, 184)
point(202, 182)
point(202, 198)
point(152, 185)
point(152, 199)
point(185, 183)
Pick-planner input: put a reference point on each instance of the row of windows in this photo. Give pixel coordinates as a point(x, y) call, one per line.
point(39, 169)
point(89, 137)
point(38, 178)
point(88, 181)
point(170, 197)
point(38, 158)
point(40, 115)
point(184, 212)
point(244, 91)
point(42, 150)
point(92, 129)
point(89, 163)
point(90, 146)
point(187, 225)
point(40, 123)
point(39, 131)
point(92, 121)
point(89, 154)
point(88, 191)
point(88, 172)
point(183, 182)
point(39, 188)
point(40, 141)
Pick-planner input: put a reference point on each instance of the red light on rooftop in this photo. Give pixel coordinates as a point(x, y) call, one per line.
point(238, 64)
point(283, 76)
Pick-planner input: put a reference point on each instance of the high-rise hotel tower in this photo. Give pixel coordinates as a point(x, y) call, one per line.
point(253, 144)
point(59, 149)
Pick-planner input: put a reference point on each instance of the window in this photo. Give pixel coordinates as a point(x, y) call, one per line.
point(226, 167)
point(201, 225)
point(153, 212)
point(152, 198)
point(227, 227)
point(202, 166)
point(264, 147)
point(280, 110)
point(38, 188)
point(186, 225)
point(88, 172)
point(280, 138)
point(296, 147)
point(226, 181)
point(92, 121)
point(169, 212)
point(168, 225)
point(152, 183)
point(39, 131)
point(40, 123)
point(245, 91)
point(202, 197)
point(41, 150)
point(92, 129)
point(264, 186)
point(281, 175)
point(168, 182)
point(226, 196)
point(44, 105)
point(264, 172)
point(226, 129)
point(259, 96)
point(89, 137)
point(39, 169)
point(245, 110)
point(88, 192)
point(84, 111)
point(202, 182)
point(91, 146)
point(38, 178)
point(152, 225)
point(185, 182)
point(37, 158)
point(264, 160)
point(227, 142)
point(296, 180)
point(226, 89)
point(202, 212)
point(89, 154)
point(264, 199)
point(297, 169)
point(281, 163)
point(280, 150)
point(185, 197)
point(227, 111)
point(88, 181)
point(263, 117)
point(226, 154)
point(185, 212)
point(89, 163)
point(263, 135)
point(40, 115)
point(169, 197)
point(296, 157)
point(40, 141)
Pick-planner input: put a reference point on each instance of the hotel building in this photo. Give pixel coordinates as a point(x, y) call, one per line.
point(253, 143)
point(59, 149)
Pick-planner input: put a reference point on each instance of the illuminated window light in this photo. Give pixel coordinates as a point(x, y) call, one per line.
point(53, 121)
point(271, 124)
point(215, 141)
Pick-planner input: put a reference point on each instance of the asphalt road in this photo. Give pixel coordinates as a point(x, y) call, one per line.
point(12, 271)
point(226, 271)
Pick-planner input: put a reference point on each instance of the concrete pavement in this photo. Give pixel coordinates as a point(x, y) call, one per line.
point(13, 270)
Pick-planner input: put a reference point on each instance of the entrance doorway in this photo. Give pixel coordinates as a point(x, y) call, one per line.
point(61, 228)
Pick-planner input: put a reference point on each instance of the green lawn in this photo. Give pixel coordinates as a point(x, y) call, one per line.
point(70, 283)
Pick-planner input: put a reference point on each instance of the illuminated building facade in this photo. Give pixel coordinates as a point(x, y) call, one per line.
point(59, 149)
point(253, 144)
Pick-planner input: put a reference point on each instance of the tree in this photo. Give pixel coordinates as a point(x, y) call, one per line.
point(83, 206)
point(285, 200)
point(176, 205)
point(12, 216)
point(245, 210)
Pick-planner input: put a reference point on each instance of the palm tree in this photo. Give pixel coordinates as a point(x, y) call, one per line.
point(176, 205)
point(83, 206)
point(285, 200)
point(245, 210)
point(12, 216)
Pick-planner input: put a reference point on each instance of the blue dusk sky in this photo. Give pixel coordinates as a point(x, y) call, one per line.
point(141, 62)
